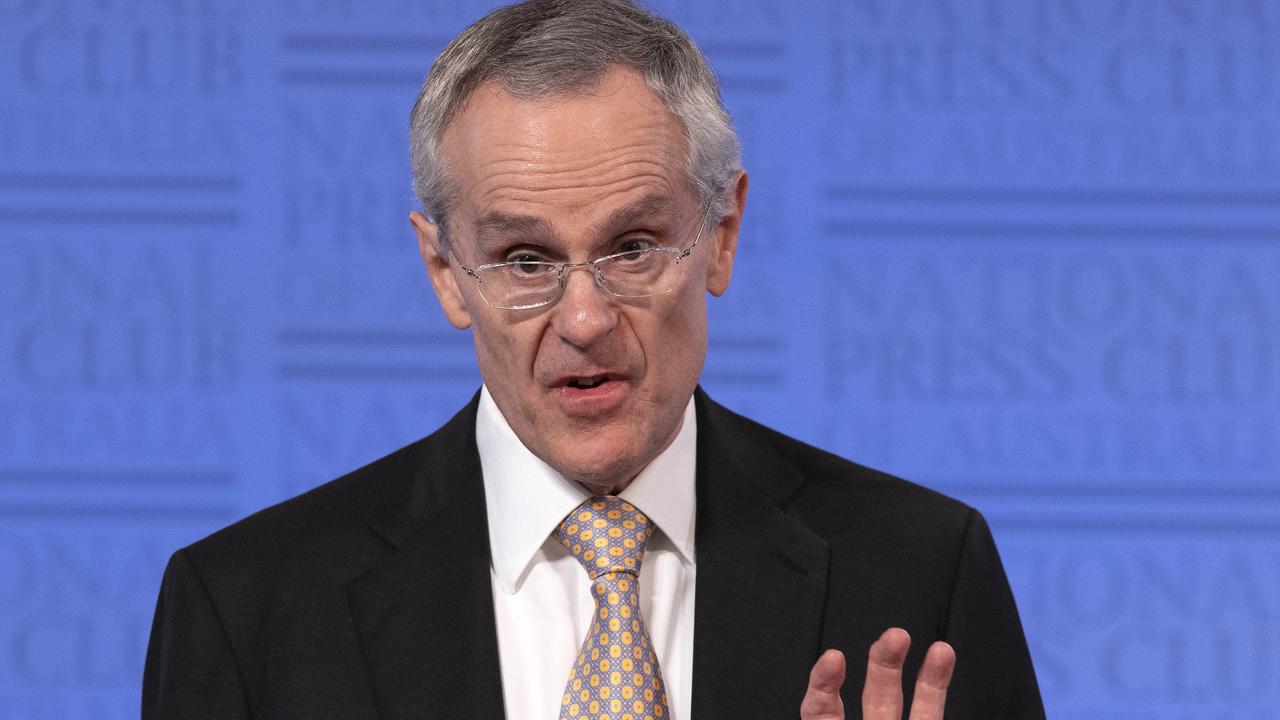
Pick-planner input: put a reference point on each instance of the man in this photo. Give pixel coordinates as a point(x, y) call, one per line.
point(592, 536)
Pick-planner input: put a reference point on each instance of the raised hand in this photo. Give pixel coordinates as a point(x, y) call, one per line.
point(882, 691)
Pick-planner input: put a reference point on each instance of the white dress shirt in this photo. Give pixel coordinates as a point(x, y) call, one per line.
point(541, 596)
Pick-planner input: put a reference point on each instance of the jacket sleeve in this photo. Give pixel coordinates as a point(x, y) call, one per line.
point(190, 669)
point(994, 678)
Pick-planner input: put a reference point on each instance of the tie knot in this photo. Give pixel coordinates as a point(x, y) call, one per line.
point(606, 534)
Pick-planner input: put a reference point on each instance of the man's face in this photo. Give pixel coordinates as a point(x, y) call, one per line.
point(569, 180)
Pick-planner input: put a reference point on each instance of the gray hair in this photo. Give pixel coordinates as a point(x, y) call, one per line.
point(544, 48)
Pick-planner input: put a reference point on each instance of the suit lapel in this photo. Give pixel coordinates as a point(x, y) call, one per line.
point(762, 577)
point(761, 582)
point(424, 616)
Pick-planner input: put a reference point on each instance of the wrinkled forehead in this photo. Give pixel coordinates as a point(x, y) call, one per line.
point(567, 157)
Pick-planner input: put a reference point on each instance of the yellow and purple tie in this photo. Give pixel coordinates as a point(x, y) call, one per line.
point(616, 676)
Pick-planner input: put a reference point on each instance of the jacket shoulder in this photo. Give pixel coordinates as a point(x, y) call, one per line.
point(321, 526)
point(339, 514)
point(832, 493)
point(341, 501)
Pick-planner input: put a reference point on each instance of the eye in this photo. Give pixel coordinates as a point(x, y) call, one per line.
point(526, 262)
point(631, 248)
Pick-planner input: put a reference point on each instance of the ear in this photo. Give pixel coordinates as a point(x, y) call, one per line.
point(443, 280)
point(725, 242)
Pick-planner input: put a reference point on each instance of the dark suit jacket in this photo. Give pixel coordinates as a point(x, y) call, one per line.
point(369, 597)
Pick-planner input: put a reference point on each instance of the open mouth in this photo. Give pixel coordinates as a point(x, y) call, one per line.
point(592, 397)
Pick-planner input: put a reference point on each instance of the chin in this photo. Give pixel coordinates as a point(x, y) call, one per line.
point(600, 476)
point(600, 467)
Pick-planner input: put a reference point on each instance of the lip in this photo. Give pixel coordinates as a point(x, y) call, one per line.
point(609, 376)
point(591, 403)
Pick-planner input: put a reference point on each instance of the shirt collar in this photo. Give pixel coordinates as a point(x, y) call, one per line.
point(525, 498)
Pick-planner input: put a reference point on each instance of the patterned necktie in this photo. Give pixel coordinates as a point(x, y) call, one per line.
point(616, 676)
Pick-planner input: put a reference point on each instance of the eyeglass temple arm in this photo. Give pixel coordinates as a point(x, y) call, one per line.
point(706, 215)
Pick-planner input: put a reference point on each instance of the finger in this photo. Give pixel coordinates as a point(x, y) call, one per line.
point(822, 699)
point(931, 684)
point(882, 694)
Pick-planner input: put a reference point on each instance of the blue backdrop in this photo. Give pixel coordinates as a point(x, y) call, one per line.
point(1024, 252)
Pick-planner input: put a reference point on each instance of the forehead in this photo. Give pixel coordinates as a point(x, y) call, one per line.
point(565, 159)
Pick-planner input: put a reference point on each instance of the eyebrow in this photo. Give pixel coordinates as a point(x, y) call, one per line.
point(660, 207)
point(492, 226)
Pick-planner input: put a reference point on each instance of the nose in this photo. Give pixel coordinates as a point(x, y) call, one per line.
point(585, 313)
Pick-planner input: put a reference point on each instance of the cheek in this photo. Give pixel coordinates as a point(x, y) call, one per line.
point(678, 344)
point(503, 352)
point(690, 315)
